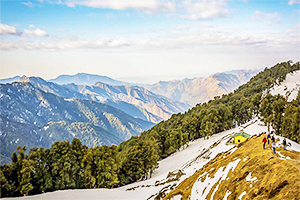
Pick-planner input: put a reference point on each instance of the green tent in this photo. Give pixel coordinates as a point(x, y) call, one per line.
point(241, 133)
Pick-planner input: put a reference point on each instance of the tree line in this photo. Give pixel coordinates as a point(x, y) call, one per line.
point(73, 165)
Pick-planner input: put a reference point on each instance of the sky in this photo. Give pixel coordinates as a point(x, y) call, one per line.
point(146, 41)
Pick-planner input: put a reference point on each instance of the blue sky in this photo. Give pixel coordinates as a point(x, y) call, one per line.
point(147, 40)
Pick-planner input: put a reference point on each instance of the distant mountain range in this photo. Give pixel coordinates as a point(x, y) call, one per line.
point(135, 101)
point(33, 117)
point(10, 80)
point(86, 79)
point(96, 109)
point(198, 90)
point(189, 91)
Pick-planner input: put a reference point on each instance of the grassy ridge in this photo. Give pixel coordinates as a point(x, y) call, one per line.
point(277, 178)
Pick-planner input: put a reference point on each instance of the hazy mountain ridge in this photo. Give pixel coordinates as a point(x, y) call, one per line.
point(86, 79)
point(10, 80)
point(146, 101)
point(198, 90)
point(189, 91)
point(130, 100)
point(26, 110)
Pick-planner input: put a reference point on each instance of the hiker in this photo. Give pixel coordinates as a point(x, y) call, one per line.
point(273, 145)
point(273, 138)
point(264, 141)
point(269, 138)
point(284, 144)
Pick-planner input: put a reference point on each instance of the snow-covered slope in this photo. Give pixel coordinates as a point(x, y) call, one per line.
point(289, 87)
point(183, 164)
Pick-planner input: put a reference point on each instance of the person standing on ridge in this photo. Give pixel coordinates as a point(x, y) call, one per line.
point(269, 138)
point(284, 144)
point(273, 138)
point(264, 141)
point(273, 145)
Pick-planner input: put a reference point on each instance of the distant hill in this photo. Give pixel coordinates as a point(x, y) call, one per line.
point(133, 100)
point(154, 107)
point(32, 117)
point(10, 80)
point(86, 79)
point(198, 90)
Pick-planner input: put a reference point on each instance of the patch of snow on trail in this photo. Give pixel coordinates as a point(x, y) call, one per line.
point(282, 156)
point(256, 128)
point(198, 188)
point(241, 196)
point(177, 197)
point(226, 195)
point(294, 146)
point(289, 87)
point(248, 178)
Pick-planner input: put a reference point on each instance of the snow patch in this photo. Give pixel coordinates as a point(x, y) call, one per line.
point(198, 187)
point(68, 99)
point(226, 195)
point(44, 104)
point(282, 157)
point(241, 196)
point(289, 87)
point(248, 178)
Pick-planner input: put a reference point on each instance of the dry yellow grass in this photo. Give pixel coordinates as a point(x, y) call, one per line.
point(277, 178)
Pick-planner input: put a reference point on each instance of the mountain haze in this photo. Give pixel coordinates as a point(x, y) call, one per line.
point(10, 80)
point(86, 79)
point(133, 100)
point(198, 90)
point(154, 107)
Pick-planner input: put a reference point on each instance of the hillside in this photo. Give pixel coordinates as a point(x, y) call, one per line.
point(202, 161)
point(33, 117)
point(155, 108)
point(199, 90)
point(250, 172)
point(133, 100)
point(10, 80)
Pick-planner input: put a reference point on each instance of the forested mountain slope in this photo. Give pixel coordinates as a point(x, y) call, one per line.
point(33, 117)
point(136, 158)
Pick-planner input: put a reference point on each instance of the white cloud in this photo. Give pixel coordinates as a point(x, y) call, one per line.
point(297, 26)
point(32, 26)
point(36, 32)
point(147, 6)
point(246, 1)
point(292, 2)
point(268, 18)
point(63, 44)
point(196, 39)
point(8, 30)
point(29, 4)
point(205, 9)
